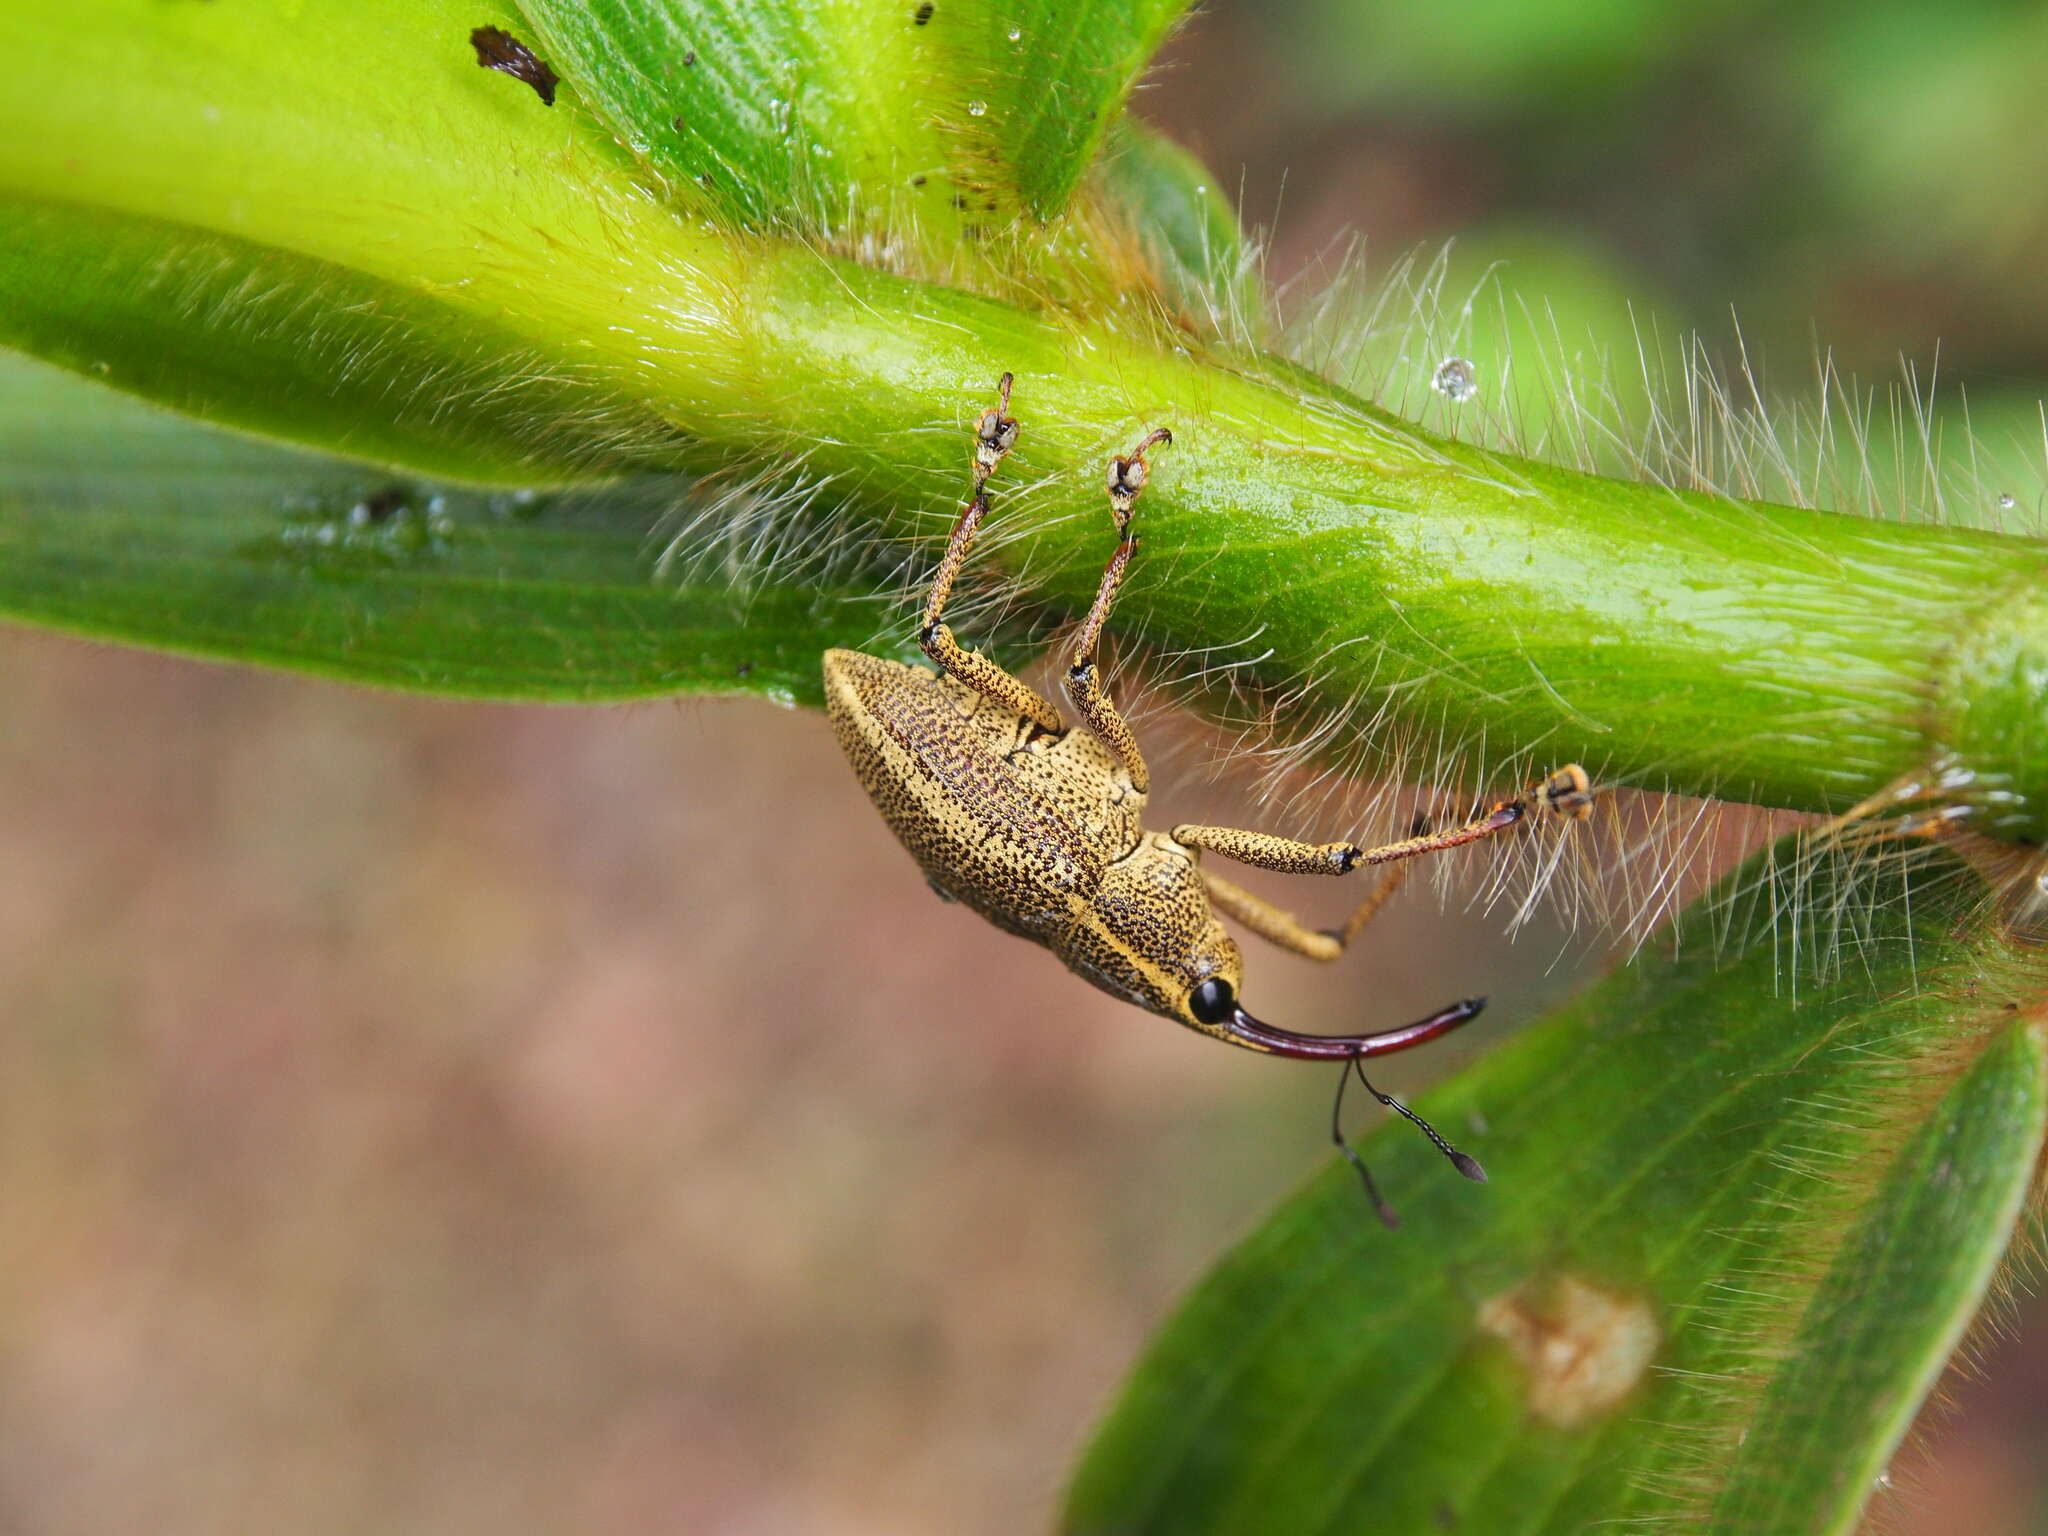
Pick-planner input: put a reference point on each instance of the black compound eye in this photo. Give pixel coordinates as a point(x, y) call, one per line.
point(1212, 1002)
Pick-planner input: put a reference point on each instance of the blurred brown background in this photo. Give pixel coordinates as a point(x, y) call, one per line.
point(453, 1119)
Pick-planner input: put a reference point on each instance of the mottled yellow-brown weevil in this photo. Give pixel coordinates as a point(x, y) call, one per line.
point(1039, 826)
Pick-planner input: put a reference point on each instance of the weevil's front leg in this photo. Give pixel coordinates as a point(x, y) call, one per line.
point(1565, 792)
point(995, 433)
point(1273, 924)
point(1278, 926)
point(1084, 677)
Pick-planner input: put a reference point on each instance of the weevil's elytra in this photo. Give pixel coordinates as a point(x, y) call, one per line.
point(1039, 826)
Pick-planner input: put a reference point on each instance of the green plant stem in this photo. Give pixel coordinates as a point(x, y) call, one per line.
point(1460, 614)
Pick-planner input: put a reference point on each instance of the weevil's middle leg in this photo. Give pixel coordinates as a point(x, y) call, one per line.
point(995, 433)
point(1084, 677)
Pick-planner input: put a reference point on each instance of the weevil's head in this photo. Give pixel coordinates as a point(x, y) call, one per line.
point(1199, 985)
point(1150, 938)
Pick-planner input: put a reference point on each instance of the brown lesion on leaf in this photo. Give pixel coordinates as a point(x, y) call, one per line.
point(500, 50)
point(1584, 1349)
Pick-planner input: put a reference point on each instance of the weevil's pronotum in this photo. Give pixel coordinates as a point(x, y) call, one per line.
point(1039, 826)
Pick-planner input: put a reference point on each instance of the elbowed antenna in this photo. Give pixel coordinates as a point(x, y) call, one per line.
point(1352, 1050)
point(1464, 1162)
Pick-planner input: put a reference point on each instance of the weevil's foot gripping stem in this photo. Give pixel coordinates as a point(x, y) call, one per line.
point(1127, 474)
point(1566, 792)
point(995, 433)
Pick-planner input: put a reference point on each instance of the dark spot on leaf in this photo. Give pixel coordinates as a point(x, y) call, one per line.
point(959, 201)
point(918, 180)
point(677, 125)
point(689, 58)
point(706, 178)
point(380, 506)
point(924, 12)
point(500, 50)
point(744, 669)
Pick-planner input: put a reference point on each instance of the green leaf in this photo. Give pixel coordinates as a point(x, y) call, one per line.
point(1737, 1220)
point(122, 522)
point(1187, 227)
point(1859, 1366)
point(854, 116)
point(808, 117)
point(1055, 75)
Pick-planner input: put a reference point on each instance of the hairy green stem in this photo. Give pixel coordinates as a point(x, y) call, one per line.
point(1408, 601)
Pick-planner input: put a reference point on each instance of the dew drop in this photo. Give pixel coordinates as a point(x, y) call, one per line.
point(976, 108)
point(2007, 501)
point(1016, 34)
point(1456, 380)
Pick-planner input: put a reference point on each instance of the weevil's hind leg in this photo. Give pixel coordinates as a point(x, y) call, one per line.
point(1278, 926)
point(1084, 677)
point(971, 667)
point(995, 433)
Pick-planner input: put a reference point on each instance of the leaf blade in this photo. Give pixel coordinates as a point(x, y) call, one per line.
point(1668, 1157)
point(1172, 202)
point(120, 522)
point(1859, 1371)
point(1053, 76)
point(805, 117)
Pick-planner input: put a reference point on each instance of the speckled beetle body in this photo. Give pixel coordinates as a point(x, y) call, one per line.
point(1039, 827)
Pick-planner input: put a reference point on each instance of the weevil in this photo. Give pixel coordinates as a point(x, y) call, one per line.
point(1039, 825)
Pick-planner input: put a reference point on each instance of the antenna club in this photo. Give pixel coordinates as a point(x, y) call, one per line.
point(1468, 1165)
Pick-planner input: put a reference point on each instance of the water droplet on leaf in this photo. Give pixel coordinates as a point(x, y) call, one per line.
point(1455, 379)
